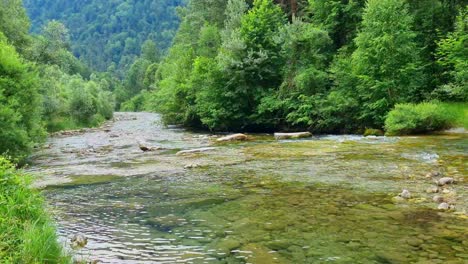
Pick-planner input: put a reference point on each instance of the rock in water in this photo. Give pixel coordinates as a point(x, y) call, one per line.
point(432, 190)
point(145, 148)
point(234, 137)
point(438, 199)
point(433, 174)
point(443, 206)
point(444, 181)
point(293, 135)
point(405, 194)
point(78, 241)
point(191, 151)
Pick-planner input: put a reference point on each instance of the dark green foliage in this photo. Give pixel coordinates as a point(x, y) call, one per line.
point(387, 60)
point(453, 56)
point(334, 66)
point(417, 118)
point(20, 122)
point(105, 32)
point(341, 19)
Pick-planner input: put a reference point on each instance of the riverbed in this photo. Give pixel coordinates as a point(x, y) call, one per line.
point(317, 200)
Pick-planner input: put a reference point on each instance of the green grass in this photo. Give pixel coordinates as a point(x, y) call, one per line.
point(406, 119)
point(27, 234)
point(66, 123)
point(459, 113)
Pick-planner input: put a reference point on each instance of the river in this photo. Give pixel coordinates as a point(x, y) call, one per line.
point(327, 199)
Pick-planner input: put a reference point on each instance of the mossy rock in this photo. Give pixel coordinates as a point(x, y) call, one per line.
point(373, 132)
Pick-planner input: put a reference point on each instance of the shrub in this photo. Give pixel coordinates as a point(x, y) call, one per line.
point(20, 124)
point(418, 118)
point(26, 233)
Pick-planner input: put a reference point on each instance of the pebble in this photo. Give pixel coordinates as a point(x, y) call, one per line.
point(405, 194)
point(432, 190)
point(443, 206)
point(438, 199)
point(433, 174)
point(444, 181)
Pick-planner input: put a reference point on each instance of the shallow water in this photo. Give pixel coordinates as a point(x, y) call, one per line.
point(324, 199)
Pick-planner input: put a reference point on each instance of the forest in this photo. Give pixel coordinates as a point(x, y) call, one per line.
point(108, 35)
point(326, 66)
point(371, 67)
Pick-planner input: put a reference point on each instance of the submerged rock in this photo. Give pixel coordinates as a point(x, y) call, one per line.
point(191, 151)
point(405, 194)
point(398, 199)
point(443, 206)
point(433, 174)
point(145, 148)
point(373, 132)
point(293, 135)
point(438, 199)
point(445, 181)
point(433, 189)
point(192, 166)
point(78, 241)
point(234, 137)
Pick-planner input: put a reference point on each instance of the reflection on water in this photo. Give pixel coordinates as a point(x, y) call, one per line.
point(324, 199)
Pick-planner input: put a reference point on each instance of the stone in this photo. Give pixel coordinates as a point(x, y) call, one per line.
point(444, 181)
point(192, 151)
point(433, 174)
point(293, 135)
point(228, 244)
point(78, 241)
point(234, 137)
point(192, 166)
point(443, 206)
point(373, 132)
point(433, 189)
point(438, 199)
point(405, 194)
point(147, 148)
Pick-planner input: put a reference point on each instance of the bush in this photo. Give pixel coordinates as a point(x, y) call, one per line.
point(408, 119)
point(20, 124)
point(26, 233)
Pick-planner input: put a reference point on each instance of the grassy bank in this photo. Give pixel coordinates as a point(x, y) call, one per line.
point(458, 113)
point(406, 119)
point(27, 234)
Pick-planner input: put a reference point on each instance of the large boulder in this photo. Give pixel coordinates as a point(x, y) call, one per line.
point(293, 135)
point(234, 137)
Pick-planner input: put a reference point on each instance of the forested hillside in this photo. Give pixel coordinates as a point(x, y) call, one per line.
point(43, 87)
point(109, 33)
point(323, 65)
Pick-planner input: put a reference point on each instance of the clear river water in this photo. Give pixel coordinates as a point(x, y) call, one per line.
point(326, 199)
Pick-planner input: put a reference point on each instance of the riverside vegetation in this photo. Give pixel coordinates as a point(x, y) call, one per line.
point(321, 66)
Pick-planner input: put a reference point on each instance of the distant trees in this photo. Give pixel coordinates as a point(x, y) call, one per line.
point(42, 85)
point(106, 32)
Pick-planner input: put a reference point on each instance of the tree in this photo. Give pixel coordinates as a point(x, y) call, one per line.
point(453, 56)
point(387, 60)
point(149, 51)
point(340, 18)
point(20, 124)
point(14, 24)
